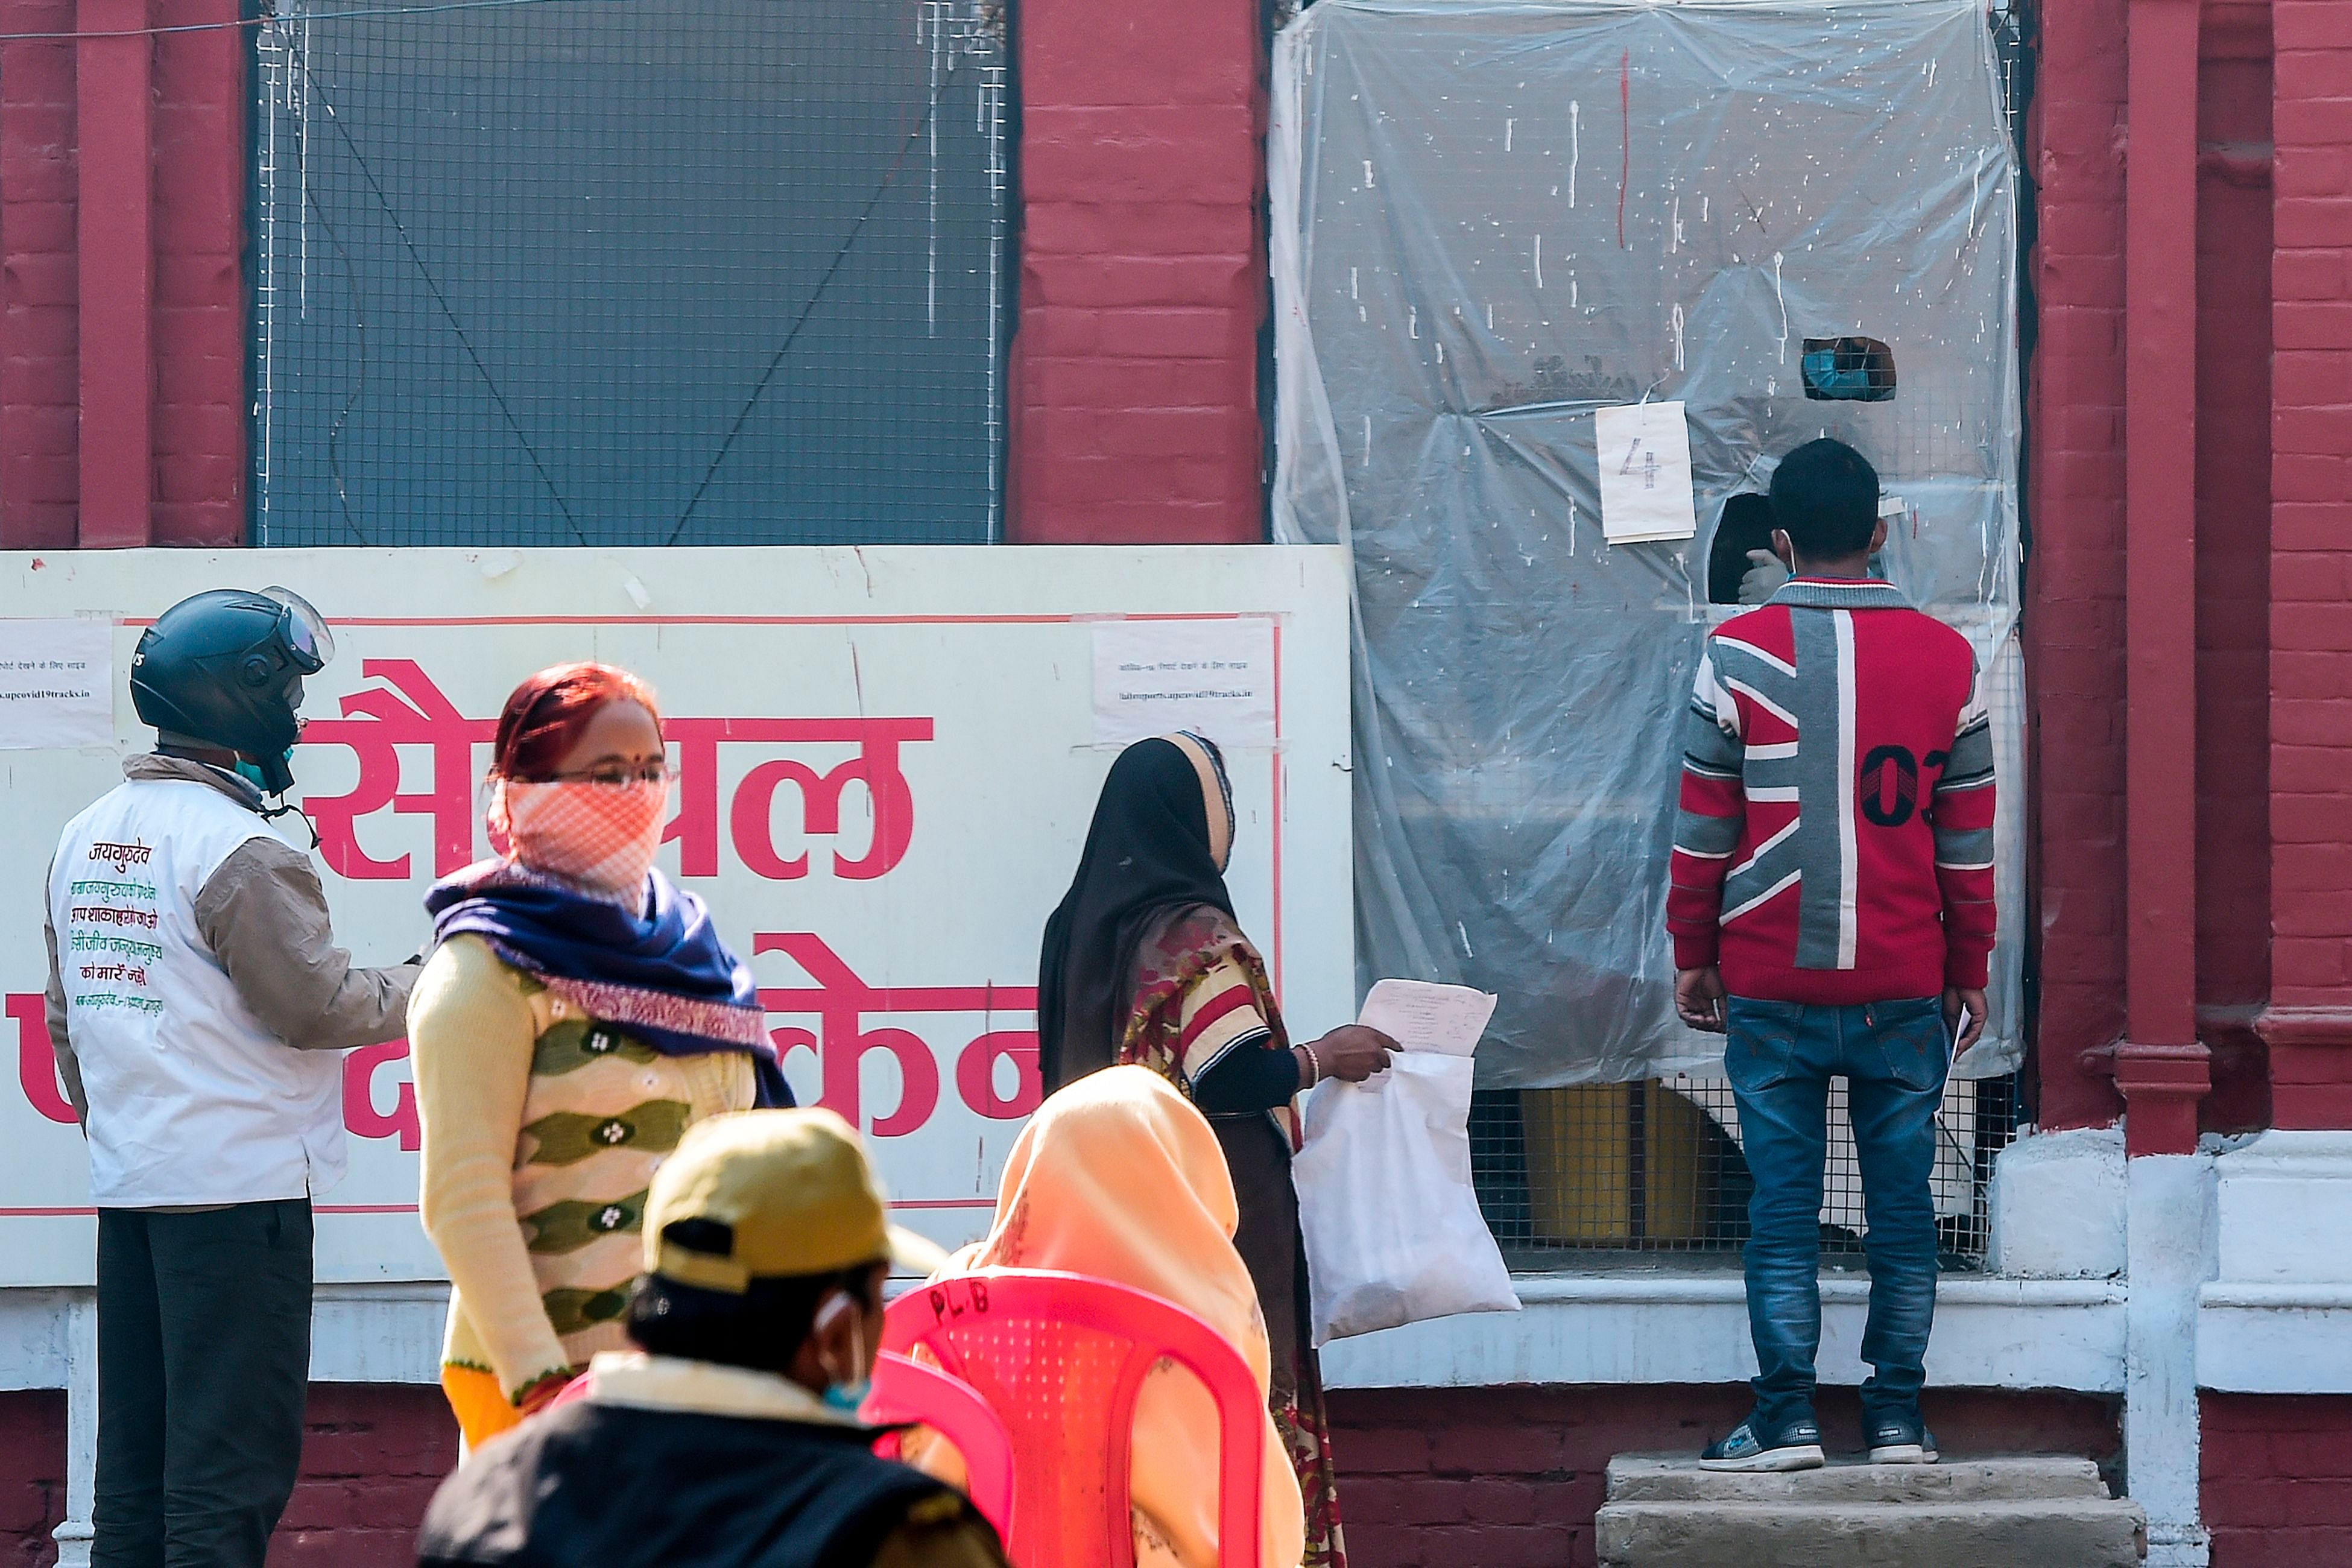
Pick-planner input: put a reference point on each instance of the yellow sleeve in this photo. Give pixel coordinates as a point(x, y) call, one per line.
point(941, 1532)
point(471, 1030)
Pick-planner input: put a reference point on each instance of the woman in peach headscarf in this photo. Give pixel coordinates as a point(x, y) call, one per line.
point(1118, 1177)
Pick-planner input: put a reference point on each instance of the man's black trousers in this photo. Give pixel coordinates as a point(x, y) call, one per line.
point(203, 1359)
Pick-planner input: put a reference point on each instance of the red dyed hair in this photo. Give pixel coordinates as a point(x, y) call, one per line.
point(545, 715)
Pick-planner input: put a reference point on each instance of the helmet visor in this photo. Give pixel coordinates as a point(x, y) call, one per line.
point(308, 640)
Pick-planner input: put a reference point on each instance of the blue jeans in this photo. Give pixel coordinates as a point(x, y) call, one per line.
point(1780, 1058)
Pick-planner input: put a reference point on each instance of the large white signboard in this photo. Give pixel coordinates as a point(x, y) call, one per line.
point(888, 758)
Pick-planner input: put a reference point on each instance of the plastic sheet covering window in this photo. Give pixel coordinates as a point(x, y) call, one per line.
point(1490, 219)
point(629, 273)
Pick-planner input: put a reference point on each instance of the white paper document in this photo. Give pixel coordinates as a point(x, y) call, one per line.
point(1213, 676)
point(1646, 473)
point(57, 684)
point(1422, 1016)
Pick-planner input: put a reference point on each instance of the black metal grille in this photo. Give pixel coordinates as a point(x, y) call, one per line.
point(629, 273)
point(1565, 1173)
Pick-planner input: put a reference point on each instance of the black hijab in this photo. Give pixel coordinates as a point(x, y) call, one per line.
point(1147, 853)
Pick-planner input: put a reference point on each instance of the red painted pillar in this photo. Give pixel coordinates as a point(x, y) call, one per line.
point(2074, 618)
point(2160, 1067)
point(1134, 386)
point(114, 126)
point(2308, 1025)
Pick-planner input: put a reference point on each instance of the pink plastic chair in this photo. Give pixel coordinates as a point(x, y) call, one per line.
point(1061, 1359)
point(907, 1393)
point(573, 1392)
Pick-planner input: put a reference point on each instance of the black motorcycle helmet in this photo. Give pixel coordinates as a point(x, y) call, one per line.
point(225, 669)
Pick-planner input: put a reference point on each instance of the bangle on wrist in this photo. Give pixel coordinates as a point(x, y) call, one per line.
point(1314, 1066)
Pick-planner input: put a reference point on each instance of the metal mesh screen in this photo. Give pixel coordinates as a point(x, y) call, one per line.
point(628, 272)
point(1656, 1167)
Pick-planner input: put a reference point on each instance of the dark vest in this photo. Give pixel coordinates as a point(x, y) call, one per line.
point(621, 1487)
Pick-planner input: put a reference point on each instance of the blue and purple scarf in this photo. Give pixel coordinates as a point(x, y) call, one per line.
point(665, 975)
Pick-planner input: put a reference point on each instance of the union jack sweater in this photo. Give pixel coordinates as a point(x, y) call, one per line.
point(1834, 843)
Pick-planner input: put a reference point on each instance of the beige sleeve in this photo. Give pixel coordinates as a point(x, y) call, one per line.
point(264, 915)
point(54, 1012)
point(470, 1034)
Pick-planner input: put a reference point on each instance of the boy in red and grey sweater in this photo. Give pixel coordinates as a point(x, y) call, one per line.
point(1833, 912)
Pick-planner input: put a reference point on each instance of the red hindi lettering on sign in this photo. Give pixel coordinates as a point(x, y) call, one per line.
point(36, 1061)
point(840, 1001)
point(410, 710)
point(428, 719)
point(361, 1116)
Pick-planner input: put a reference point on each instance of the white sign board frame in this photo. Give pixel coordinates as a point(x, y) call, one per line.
point(889, 759)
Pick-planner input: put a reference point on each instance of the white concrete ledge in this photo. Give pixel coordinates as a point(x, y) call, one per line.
point(2253, 1337)
point(359, 1333)
point(378, 1333)
point(1644, 1328)
point(2274, 1338)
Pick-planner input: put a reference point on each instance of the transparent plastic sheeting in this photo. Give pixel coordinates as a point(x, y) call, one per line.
point(1491, 220)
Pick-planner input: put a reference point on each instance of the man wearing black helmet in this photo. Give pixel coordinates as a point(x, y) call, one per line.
point(198, 1015)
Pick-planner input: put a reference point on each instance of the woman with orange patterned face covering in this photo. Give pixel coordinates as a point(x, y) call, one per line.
point(579, 1013)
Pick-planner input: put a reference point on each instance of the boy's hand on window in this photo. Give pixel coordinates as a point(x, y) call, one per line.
point(1968, 1001)
point(1698, 998)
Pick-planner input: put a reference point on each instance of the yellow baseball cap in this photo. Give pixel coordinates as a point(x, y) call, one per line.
point(788, 1193)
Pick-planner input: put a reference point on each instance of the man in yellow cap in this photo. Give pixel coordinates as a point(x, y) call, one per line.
point(730, 1439)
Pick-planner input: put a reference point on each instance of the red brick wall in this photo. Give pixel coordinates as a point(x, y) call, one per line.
point(1510, 1477)
point(39, 344)
point(32, 1475)
point(199, 317)
point(2277, 1479)
point(1134, 394)
point(2311, 432)
point(371, 1460)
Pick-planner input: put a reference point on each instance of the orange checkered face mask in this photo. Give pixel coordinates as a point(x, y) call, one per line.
point(601, 835)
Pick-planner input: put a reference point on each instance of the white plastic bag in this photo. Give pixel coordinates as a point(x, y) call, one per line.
point(1391, 1224)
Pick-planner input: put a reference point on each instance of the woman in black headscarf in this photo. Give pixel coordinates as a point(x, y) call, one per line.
point(1144, 963)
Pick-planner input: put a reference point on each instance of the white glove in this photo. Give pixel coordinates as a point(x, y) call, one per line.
point(1764, 578)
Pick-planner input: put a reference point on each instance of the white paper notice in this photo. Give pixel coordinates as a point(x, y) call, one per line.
point(1419, 1016)
point(1213, 677)
point(1646, 473)
point(57, 684)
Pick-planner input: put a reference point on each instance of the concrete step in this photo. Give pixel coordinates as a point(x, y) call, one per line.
point(1977, 1513)
point(2071, 1534)
point(1676, 1478)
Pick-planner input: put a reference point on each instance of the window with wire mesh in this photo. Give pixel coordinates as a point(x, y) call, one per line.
point(629, 273)
point(1567, 1177)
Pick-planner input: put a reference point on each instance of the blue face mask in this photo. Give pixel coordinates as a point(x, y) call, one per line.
point(848, 1398)
point(251, 772)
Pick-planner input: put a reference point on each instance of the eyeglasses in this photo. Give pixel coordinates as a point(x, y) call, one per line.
point(619, 775)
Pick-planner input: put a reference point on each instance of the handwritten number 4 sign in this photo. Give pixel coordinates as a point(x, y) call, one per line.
point(1646, 473)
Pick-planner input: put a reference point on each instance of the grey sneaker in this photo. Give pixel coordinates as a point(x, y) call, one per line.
point(1754, 1445)
point(1901, 1440)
